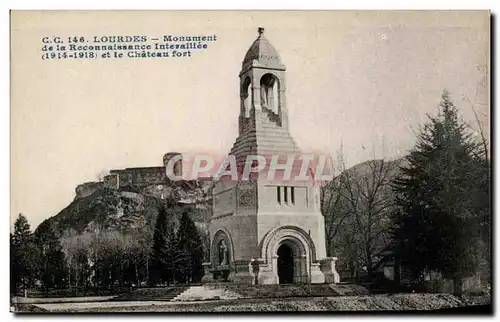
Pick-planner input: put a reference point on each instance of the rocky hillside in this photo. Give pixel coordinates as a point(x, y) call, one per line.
point(129, 209)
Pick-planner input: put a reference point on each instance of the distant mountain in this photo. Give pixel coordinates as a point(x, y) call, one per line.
point(365, 169)
point(356, 205)
point(366, 172)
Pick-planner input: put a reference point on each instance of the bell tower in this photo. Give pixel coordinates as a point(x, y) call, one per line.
point(262, 85)
point(263, 120)
point(266, 231)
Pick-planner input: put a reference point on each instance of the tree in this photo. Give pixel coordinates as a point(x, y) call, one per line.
point(79, 268)
point(190, 245)
point(481, 91)
point(332, 207)
point(53, 269)
point(24, 256)
point(108, 259)
point(480, 101)
point(369, 200)
point(165, 254)
point(134, 259)
point(356, 206)
point(78, 249)
point(440, 193)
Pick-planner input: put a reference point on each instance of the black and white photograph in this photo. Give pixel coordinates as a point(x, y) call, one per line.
point(334, 161)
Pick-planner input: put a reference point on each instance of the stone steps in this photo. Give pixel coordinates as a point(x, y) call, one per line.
point(151, 294)
point(275, 146)
point(202, 293)
point(265, 129)
point(282, 138)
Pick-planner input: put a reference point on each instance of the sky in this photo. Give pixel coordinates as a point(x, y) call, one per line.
point(363, 81)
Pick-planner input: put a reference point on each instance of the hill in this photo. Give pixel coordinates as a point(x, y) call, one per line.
point(129, 210)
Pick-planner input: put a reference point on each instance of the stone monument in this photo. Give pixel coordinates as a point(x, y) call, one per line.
point(265, 232)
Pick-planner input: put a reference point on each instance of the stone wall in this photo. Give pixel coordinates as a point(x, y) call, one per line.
point(139, 176)
point(242, 231)
point(111, 181)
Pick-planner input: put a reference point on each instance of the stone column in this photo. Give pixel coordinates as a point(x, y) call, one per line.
point(208, 277)
point(256, 98)
point(282, 109)
point(268, 272)
point(329, 270)
point(303, 269)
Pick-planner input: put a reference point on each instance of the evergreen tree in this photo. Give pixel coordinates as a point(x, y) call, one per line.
point(191, 246)
point(53, 268)
point(164, 254)
point(24, 256)
point(440, 193)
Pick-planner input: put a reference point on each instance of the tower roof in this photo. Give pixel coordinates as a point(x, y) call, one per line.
point(263, 52)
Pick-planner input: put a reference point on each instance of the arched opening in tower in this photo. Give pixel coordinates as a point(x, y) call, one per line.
point(269, 93)
point(246, 96)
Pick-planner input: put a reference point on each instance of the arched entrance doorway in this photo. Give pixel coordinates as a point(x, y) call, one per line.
point(285, 264)
point(291, 263)
point(288, 252)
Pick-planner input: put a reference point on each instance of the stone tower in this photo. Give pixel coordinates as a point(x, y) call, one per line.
point(265, 232)
point(177, 166)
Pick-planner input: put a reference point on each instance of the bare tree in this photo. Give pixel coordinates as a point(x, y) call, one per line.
point(482, 85)
point(331, 201)
point(369, 199)
point(356, 206)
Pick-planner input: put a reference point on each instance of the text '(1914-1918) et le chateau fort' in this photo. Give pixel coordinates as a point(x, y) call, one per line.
point(123, 47)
